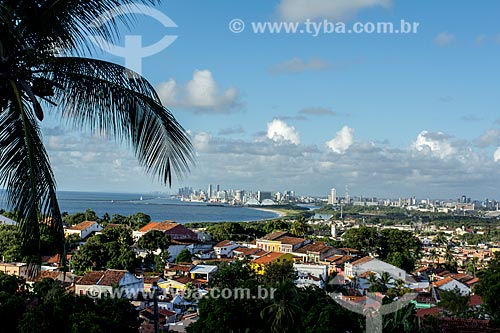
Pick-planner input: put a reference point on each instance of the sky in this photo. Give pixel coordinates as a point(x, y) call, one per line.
point(389, 115)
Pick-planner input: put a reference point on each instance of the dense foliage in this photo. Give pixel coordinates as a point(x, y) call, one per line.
point(110, 249)
point(48, 308)
point(396, 247)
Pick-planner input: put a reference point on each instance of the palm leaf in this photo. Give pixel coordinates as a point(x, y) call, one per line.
point(112, 100)
point(26, 174)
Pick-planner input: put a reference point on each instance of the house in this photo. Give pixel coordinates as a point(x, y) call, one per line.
point(225, 249)
point(177, 269)
point(83, 229)
point(368, 263)
point(113, 282)
point(164, 316)
point(250, 253)
point(316, 252)
point(309, 274)
point(14, 268)
point(259, 264)
point(449, 283)
point(204, 272)
point(176, 231)
point(280, 242)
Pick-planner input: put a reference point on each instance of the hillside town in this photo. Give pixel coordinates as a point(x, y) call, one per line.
point(446, 262)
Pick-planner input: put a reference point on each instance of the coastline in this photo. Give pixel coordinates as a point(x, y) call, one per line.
point(270, 210)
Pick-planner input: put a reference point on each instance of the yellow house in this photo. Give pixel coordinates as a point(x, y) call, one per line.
point(259, 264)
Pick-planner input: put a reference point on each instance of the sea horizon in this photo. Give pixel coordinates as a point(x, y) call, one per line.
point(159, 206)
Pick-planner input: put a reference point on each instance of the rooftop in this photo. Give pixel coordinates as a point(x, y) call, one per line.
point(224, 243)
point(161, 226)
point(82, 226)
point(314, 247)
point(290, 240)
point(268, 258)
point(362, 261)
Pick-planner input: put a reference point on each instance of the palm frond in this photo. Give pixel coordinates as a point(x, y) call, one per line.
point(67, 24)
point(25, 172)
point(112, 100)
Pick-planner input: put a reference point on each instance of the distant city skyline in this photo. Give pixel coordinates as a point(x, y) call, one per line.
point(388, 115)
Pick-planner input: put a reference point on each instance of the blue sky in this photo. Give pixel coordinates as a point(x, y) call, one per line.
point(389, 115)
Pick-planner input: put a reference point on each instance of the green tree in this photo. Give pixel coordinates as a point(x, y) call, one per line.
point(283, 312)
point(153, 240)
point(10, 250)
point(277, 272)
point(138, 220)
point(90, 215)
point(488, 287)
point(13, 300)
point(454, 302)
point(37, 41)
point(299, 227)
point(73, 219)
point(111, 249)
point(276, 225)
point(184, 256)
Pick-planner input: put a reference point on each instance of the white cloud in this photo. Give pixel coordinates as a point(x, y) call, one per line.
point(201, 141)
point(444, 38)
point(201, 94)
point(334, 9)
point(436, 143)
point(297, 65)
point(279, 131)
point(496, 155)
point(489, 138)
point(342, 140)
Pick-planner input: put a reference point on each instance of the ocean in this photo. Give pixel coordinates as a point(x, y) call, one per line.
point(159, 207)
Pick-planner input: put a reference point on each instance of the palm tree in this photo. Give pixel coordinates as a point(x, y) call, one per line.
point(38, 67)
point(283, 311)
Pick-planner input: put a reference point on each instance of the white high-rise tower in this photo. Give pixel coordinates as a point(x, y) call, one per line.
point(332, 197)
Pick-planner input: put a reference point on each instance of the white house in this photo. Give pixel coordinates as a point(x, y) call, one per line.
point(225, 249)
point(83, 229)
point(366, 264)
point(449, 283)
point(111, 283)
point(309, 274)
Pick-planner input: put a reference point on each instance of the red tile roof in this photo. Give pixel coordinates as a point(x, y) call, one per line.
point(82, 226)
point(111, 277)
point(290, 240)
point(442, 282)
point(90, 278)
point(161, 226)
point(224, 243)
point(475, 300)
point(249, 251)
point(268, 258)
point(314, 247)
point(362, 261)
point(434, 311)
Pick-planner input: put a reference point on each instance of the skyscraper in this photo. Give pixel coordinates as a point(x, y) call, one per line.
point(209, 192)
point(332, 197)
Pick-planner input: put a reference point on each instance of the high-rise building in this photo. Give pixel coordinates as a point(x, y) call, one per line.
point(209, 192)
point(239, 195)
point(332, 197)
